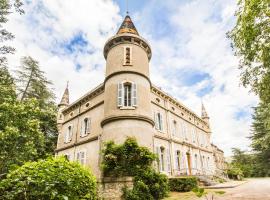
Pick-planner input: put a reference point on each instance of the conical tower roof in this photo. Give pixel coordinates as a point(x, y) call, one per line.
point(65, 97)
point(204, 113)
point(127, 27)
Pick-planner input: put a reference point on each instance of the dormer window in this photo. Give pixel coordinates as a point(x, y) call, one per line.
point(127, 95)
point(127, 56)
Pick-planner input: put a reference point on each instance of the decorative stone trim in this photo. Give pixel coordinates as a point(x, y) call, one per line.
point(121, 117)
point(127, 39)
point(77, 144)
point(127, 72)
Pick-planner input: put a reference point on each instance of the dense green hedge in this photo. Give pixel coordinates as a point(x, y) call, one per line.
point(54, 178)
point(183, 184)
point(129, 159)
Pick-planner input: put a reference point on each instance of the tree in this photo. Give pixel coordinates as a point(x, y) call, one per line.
point(6, 7)
point(7, 86)
point(32, 84)
point(251, 42)
point(53, 178)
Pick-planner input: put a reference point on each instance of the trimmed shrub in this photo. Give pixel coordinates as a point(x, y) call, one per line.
point(54, 178)
point(183, 184)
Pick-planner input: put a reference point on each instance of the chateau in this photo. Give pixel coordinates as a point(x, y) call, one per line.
point(128, 104)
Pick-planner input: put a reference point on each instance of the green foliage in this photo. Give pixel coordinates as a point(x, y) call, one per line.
point(129, 159)
point(183, 184)
point(27, 131)
point(199, 192)
point(251, 42)
point(234, 172)
point(54, 178)
point(6, 7)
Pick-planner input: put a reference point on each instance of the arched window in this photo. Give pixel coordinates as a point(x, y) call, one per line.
point(162, 159)
point(85, 127)
point(68, 134)
point(174, 127)
point(127, 94)
point(178, 160)
point(196, 161)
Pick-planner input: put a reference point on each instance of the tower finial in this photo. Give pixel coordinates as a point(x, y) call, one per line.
point(65, 97)
point(127, 7)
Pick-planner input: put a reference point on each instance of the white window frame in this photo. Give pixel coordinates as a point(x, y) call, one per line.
point(68, 134)
point(85, 130)
point(121, 95)
point(81, 157)
point(130, 56)
point(159, 121)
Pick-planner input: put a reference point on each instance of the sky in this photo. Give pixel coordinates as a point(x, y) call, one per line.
point(192, 59)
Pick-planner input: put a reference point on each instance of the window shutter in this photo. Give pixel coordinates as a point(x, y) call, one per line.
point(159, 158)
point(168, 161)
point(71, 133)
point(88, 125)
point(134, 94)
point(161, 122)
point(78, 156)
point(67, 137)
point(155, 119)
point(158, 161)
point(82, 157)
point(176, 160)
point(82, 128)
point(120, 95)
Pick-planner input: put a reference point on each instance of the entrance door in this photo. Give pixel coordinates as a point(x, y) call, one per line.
point(189, 163)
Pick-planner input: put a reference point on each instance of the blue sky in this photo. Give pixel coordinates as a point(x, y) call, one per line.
point(192, 59)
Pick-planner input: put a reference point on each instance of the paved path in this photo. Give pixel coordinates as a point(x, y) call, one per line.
point(254, 189)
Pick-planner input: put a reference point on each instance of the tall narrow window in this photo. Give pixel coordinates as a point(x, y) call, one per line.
point(85, 127)
point(178, 160)
point(162, 159)
point(174, 127)
point(68, 134)
point(159, 122)
point(81, 157)
point(127, 94)
point(193, 135)
point(127, 56)
point(196, 161)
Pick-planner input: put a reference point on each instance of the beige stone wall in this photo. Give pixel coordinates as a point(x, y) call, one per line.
point(112, 188)
point(92, 153)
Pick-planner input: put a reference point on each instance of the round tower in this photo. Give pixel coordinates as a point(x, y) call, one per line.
point(127, 107)
point(61, 106)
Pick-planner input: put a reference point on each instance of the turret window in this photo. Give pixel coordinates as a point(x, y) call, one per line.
point(127, 95)
point(127, 56)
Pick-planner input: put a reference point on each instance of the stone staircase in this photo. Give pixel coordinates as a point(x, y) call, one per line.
point(206, 180)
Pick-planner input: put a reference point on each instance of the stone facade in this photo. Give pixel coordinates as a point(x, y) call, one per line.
point(128, 104)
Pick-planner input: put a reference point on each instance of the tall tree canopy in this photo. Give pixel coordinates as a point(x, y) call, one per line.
point(251, 42)
point(7, 7)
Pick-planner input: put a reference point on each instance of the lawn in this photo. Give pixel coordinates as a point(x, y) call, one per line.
point(191, 195)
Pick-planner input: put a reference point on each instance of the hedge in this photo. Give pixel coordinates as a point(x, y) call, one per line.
point(183, 184)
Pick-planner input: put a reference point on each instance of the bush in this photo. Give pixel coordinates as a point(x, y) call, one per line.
point(148, 183)
point(54, 178)
point(129, 159)
point(126, 159)
point(235, 172)
point(183, 184)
